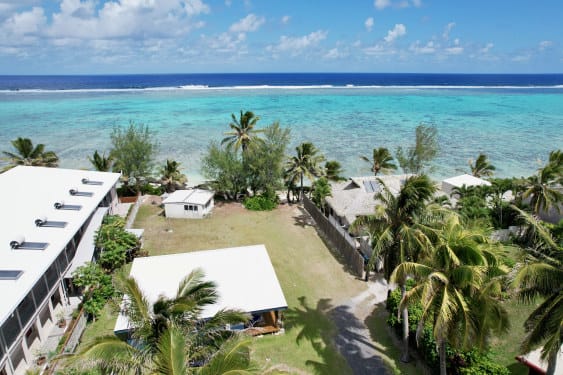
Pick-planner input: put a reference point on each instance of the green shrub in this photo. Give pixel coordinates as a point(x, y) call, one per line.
point(152, 190)
point(260, 203)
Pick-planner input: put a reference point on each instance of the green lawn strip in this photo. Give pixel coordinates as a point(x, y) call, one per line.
point(102, 326)
point(506, 347)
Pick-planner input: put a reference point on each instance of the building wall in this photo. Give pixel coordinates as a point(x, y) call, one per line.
point(34, 318)
point(183, 211)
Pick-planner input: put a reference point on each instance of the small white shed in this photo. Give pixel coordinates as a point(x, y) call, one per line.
point(191, 204)
point(458, 181)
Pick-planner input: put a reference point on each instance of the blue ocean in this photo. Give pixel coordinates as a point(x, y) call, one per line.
point(515, 119)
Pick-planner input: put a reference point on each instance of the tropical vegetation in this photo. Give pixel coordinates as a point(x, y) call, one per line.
point(416, 159)
point(169, 337)
point(25, 153)
point(101, 163)
point(133, 152)
point(171, 178)
point(381, 161)
point(482, 167)
point(242, 133)
point(306, 163)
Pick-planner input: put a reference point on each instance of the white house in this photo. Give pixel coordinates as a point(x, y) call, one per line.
point(48, 217)
point(458, 181)
point(245, 280)
point(191, 204)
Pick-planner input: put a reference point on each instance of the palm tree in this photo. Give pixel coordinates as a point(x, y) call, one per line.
point(381, 161)
point(305, 164)
point(541, 276)
point(396, 236)
point(458, 299)
point(482, 166)
point(171, 177)
point(243, 132)
point(321, 190)
point(333, 171)
point(156, 327)
point(101, 163)
point(27, 154)
point(541, 187)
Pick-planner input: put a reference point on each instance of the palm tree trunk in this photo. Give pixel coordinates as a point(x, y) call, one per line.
point(301, 190)
point(442, 355)
point(405, 357)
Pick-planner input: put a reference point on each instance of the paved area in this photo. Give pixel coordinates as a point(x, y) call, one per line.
point(353, 339)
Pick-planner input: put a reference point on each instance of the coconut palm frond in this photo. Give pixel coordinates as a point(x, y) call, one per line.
point(232, 359)
point(171, 355)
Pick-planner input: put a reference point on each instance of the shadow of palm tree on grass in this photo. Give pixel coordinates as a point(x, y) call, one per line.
point(336, 336)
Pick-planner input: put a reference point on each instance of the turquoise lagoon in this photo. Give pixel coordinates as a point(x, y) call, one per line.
point(515, 127)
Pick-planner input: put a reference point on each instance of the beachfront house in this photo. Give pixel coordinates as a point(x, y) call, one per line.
point(245, 280)
point(449, 184)
point(191, 204)
point(49, 217)
point(355, 197)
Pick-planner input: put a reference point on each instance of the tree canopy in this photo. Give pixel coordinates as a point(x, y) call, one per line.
point(27, 154)
point(133, 151)
point(417, 158)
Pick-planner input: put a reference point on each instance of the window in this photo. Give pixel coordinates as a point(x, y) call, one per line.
point(26, 308)
point(190, 207)
point(11, 329)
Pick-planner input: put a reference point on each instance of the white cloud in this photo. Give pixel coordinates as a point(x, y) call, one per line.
point(133, 19)
point(454, 50)
point(25, 23)
point(487, 48)
point(298, 44)
point(380, 49)
point(398, 31)
point(447, 30)
point(248, 24)
point(225, 42)
point(369, 23)
point(544, 44)
point(334, 54)
point(521, 58)
point(285, 20)
point(428, 48)
point(382, 4)
point(195, 7)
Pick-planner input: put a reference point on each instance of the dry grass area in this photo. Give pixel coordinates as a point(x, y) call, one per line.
point(311, 278)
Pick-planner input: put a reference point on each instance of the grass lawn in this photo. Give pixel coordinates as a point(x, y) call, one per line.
point(313, 281)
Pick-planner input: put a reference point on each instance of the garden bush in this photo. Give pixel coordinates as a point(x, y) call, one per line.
point(260, 203)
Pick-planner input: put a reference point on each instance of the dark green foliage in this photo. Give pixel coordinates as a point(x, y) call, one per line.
point(260, 203)
point(333, 171)
point(152, 190)
point(225, 169)
point(133, 151)
point(473, 207)
point(264, 160)
point(467, 362)
point(416, 158)
point(96, 286)
point(116, 243)
point(28, 154)
point(321, 190)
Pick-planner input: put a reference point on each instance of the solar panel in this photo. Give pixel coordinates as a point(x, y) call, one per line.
point(372, 186)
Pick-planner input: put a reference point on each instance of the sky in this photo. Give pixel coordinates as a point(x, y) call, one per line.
point(207, 36)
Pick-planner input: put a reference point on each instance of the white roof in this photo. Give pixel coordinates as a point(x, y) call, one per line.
point(27, 194)
point(245, 279)
point(190, 196)
point(533, 359)
point(355, 197)
point(467, 180)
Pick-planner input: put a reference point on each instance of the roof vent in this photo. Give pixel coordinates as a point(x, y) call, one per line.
point(40, 221)
point(60, 205)
point(17, 242)
point(10, 274)
point(43, 222)
point(86, 181)
point(77, 193)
